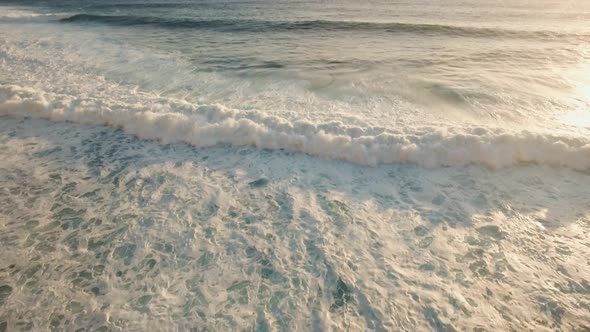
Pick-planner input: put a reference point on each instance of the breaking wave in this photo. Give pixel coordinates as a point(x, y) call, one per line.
point(173, 120)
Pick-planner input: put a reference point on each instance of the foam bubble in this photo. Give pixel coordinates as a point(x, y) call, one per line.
point(172, 120)
point(15, 14)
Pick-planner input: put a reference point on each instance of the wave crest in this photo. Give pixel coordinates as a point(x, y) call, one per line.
point(243, 25)
point(171, 120)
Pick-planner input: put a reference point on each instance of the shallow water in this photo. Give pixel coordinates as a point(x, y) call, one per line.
point(294, 166)
point(104, 230)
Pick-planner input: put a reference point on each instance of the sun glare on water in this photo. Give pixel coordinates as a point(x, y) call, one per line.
point(580, 116)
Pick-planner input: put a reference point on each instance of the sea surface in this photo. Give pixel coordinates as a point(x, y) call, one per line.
point(266, 165)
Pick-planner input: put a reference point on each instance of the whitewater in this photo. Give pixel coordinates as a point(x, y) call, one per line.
point(267, 165)
point(175, 121)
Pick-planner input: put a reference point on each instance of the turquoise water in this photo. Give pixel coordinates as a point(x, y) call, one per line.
point(271, 165)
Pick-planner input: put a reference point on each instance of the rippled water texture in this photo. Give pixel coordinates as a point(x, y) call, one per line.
point(103, 230)
point(294, 166)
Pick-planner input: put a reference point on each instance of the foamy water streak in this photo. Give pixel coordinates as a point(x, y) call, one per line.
point(173, 120)
point(8, 14)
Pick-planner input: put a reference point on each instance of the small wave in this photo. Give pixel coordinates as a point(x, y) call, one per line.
point(315, 25)
point(171, 120)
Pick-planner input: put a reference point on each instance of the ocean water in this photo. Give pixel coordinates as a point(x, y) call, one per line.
point(294, 165)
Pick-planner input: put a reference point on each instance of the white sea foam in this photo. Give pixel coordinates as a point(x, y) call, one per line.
point(13, 14)
point(172, 120)
point(102, 231)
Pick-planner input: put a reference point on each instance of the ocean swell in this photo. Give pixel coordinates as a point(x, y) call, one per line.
point(251, 25)
point(173, 120)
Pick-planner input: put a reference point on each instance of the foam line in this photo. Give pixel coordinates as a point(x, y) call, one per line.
point(170, 120)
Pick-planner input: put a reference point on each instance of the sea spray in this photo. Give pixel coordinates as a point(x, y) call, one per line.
point(177, 121)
